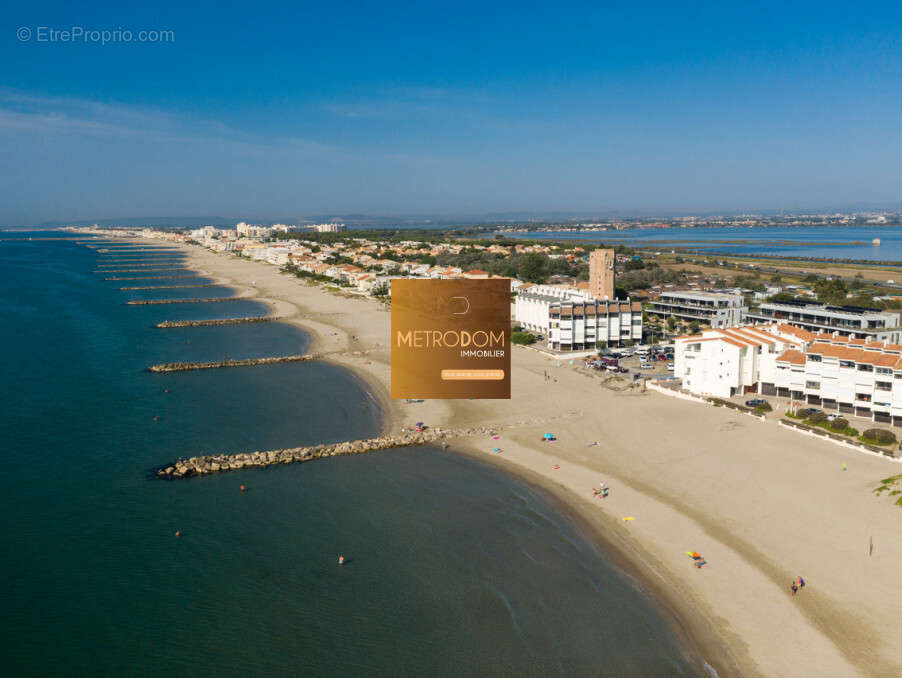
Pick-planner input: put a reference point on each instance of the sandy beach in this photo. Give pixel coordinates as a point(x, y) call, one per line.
point(763, 504)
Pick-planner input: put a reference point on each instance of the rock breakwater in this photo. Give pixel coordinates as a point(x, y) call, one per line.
point(243, 362)
point(143, 270)
point(146, 302)
point(219, 321)
point(159, 277)
point(171, 287)
point(215, 463)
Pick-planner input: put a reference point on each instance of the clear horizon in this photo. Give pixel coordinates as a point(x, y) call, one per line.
point(463, 110)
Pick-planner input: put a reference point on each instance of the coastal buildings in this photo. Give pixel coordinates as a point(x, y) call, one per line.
point(854, 377)
point(846, 320)
point(725, 362)
point(327, 228)
point(601, 274)
point(532, 305)
point(585, 324)
point(715, 309)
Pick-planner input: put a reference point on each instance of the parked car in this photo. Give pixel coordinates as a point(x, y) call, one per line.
point(808, 411)
point(756, 402)
point(834, 416)
point(670, 367)
point(661, 356)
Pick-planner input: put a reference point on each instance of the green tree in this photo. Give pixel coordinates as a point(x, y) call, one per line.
point(522, 338)
point(533, 268)
point(830, 291)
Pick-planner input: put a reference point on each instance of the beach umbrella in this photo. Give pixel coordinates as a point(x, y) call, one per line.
point(548, 436)
point(497, 449)
point(693, 554)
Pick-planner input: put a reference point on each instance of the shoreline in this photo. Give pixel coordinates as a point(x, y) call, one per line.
point(737, 616)
point(696, 639)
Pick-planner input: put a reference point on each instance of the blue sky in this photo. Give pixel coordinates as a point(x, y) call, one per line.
point(283, 109)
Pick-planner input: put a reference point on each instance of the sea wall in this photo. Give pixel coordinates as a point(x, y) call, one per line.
point(214, 463)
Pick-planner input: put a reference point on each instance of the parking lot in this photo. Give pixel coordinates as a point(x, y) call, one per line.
point(655, 362)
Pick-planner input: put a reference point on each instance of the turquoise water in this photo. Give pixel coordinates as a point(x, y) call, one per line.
point(454, 569)
point(818, 242)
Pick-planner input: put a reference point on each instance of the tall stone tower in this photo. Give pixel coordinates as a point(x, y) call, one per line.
point(601, 274)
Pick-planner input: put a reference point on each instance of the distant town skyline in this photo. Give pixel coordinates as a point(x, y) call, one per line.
point(448, 111)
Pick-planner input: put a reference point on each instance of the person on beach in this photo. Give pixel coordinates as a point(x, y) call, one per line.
point(794, 587)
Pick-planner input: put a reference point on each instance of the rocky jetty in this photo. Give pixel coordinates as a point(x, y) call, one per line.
point(244, 362)
point(146, 302)
point(215, 463)
point(213, 323)
point(159, 277)
point(143, 270)
point(171, 287)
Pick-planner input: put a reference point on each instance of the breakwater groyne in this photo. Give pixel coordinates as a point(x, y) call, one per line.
point(171, 287)
point(213, 323)
point(143, 263)
point(144, 270)
point(214, 463)
point(147, 302)
point(158, 277)
point(244, 362)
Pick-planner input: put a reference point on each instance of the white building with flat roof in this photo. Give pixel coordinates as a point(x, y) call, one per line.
point(533, 303)
point(715, 309)
point(584, 324)
point(846, 320)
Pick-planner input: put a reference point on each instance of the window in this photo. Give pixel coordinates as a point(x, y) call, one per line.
point(883, 385)
point(813, 384)
point(884, 370)
point(847, 363)
point(863, 397)
point(814, 358)
point(864, 367)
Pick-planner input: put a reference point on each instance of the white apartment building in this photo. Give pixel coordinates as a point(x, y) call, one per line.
point(728, 361)
point(328, 228)
point(533, 303)
point(715, 309)
point(576, 325)
point(847, 320)
point(855, 377)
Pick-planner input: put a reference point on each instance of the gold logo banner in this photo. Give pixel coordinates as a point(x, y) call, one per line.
point(450, 338)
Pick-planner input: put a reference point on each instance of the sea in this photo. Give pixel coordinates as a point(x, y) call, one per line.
point(453, 567)
point(828, 242)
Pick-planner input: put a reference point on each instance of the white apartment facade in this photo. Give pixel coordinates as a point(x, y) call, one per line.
point(715, 309)
point(855, 377)
point(730, 361)
point(581, 324)
point(846, 320)
point(532, 305)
